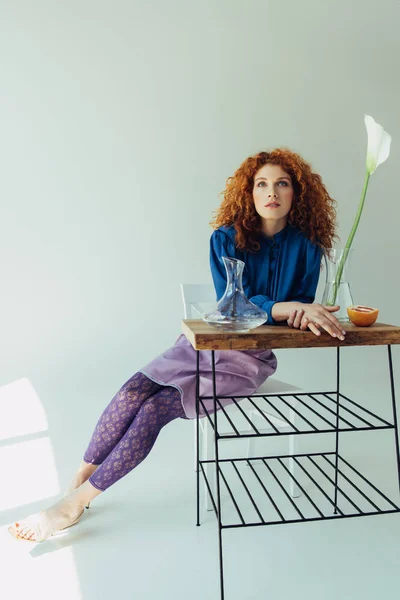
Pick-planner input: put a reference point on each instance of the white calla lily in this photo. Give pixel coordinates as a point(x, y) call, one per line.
point(377, 152)
point(378, 144)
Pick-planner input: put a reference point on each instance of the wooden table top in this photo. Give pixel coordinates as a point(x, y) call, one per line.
point(204, 337)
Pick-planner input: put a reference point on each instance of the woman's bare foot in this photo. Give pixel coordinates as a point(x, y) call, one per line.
point(39, 527)
point(61, 515)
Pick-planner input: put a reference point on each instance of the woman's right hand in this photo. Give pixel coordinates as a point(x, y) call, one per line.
point(316, 317)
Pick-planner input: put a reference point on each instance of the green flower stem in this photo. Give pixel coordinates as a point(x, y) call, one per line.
point(346, 251)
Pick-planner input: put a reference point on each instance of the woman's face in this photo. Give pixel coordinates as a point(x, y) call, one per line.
point(273, 194)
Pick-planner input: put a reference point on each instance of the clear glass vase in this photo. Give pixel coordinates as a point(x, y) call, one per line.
point(337, 292)
point(234, 312)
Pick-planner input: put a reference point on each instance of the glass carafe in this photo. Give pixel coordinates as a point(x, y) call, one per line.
point(234, 312)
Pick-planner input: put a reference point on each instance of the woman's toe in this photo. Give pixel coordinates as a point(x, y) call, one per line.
point(23, 533)
point(30, 535)
point(13, 530)
point(20, 531)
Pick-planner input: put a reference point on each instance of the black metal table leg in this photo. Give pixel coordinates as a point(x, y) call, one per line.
point(217, 479)
point(396, 432)
point(337, 425)
point(197, 435)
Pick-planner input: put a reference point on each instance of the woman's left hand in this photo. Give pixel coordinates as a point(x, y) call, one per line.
point(298, 321)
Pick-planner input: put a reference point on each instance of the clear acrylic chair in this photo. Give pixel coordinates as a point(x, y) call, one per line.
point(193, 296)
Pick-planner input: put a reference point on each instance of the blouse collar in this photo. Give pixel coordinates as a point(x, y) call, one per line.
point(277, 238)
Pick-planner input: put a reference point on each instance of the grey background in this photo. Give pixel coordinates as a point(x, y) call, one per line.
point(120, 122)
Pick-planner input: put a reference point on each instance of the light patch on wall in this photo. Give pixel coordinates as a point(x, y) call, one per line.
point(28, 473)
point(21, 412)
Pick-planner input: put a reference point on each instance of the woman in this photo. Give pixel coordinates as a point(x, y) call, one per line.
point(277, 217)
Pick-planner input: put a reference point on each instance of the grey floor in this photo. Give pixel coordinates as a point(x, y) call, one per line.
point(139, 540)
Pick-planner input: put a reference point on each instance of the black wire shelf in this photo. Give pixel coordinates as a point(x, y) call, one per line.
point(294, 487)
point(256, 491)
point(290, 414)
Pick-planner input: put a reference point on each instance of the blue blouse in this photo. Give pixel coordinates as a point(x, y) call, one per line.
point(285, 269)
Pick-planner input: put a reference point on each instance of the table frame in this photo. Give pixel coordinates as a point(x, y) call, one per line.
point(212, 341)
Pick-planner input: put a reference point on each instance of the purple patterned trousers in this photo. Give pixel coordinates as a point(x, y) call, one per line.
point(128, 428)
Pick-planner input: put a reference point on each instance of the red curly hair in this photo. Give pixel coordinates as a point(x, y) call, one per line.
point(313, 210)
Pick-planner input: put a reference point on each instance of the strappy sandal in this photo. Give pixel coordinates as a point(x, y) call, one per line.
point(12, 529)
